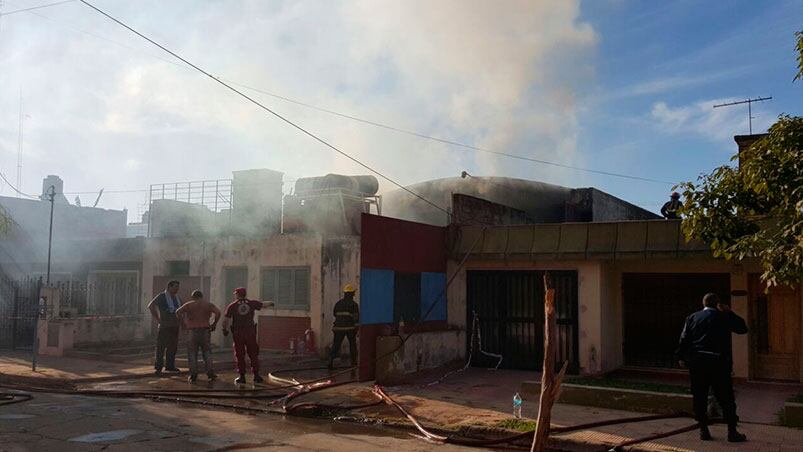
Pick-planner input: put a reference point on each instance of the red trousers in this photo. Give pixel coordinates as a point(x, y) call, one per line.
point(245, 340)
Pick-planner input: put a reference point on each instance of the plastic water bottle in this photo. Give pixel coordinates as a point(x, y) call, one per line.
point(517, 406)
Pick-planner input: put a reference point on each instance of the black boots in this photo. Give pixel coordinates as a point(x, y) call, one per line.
point(734, 436)
point(705, 434)
point(240, 380)
point(258, 379)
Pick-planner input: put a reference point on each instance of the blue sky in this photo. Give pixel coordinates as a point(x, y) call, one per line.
point(686, 55)
point(622, 86)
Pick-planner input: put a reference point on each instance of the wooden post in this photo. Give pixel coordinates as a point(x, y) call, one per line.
point(550, 383)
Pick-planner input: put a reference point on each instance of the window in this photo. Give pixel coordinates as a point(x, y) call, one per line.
point(407, 297)
point(288, 287)
point(113, 293)
point(178, 268)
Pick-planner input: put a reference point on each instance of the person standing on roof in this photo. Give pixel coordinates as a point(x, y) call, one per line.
point(671, 209)
point(347, 317)
point(240, 314)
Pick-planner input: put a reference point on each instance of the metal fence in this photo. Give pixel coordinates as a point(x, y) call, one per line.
point(19, 305)
point(110, 294)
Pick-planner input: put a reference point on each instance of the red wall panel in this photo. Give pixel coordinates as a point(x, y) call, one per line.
point(403, 246)
point(274, 332)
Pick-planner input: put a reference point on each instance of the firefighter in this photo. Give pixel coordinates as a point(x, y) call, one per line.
point(240, 314)
point(347, 317)
point(671, 208)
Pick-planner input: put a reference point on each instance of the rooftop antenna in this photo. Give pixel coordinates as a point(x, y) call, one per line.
point(19, 147)
point(100, 193)
point(749, 102)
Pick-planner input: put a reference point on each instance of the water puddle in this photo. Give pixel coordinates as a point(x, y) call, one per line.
point(114, 435)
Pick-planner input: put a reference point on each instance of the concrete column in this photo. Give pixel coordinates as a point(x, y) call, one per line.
point(589, 290)
point(741, 342)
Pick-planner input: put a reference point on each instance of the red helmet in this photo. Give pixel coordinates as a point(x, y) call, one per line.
point(239, 291)
point(675, 194)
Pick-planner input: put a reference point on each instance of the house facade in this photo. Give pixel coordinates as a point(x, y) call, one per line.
point(623, 292)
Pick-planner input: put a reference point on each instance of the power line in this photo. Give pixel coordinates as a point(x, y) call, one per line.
point(35, 7)
point(260, 105)
point(446, 141)
point(3, 176)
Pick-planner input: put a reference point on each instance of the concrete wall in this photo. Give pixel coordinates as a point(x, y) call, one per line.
point(607, 207)
point(109, 330)
point(332, 263)
point(423, 351)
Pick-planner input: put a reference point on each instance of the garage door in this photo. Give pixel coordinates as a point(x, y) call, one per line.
point(510, 306)
point(655, 307)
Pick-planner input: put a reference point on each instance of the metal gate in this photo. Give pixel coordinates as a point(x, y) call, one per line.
point(655, 307)
point(510, 306)
point(19, 301)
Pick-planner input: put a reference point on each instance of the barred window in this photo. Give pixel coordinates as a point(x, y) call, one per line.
point(113, 293)
point(288, 287)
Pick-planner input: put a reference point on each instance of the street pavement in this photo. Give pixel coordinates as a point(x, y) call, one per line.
point(54, 422)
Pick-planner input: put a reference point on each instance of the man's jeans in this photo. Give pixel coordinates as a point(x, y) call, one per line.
point(199, 337)
point(166, 344)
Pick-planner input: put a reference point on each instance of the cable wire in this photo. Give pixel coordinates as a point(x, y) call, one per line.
point(448, 141)
point(35, 7)
point(3, 176)
point(267, 109)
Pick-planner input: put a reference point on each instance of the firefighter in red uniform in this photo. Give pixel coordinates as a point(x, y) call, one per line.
point(240, 314)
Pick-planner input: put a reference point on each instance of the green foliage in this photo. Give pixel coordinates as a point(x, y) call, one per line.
point(5, 221)
point(799, 48)
point(521, 425)
point(755, 210)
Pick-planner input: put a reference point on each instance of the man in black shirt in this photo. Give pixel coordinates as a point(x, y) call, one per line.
point(163, 308)
point(705, 348)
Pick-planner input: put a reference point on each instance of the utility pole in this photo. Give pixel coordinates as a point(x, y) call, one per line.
point(19, 148)
point(749, 103)
point(52, 196)
point(40, 306)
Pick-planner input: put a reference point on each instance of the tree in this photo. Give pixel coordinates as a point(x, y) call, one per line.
point(756, 208)
point(799, 48)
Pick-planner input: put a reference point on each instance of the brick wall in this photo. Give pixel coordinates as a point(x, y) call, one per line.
point(274, 332)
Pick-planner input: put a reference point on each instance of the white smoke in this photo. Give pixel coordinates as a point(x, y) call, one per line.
point(502, 75)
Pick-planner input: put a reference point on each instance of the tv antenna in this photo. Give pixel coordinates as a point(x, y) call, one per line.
point(749, 102)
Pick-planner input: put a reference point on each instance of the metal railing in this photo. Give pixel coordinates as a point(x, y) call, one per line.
point(213, 194)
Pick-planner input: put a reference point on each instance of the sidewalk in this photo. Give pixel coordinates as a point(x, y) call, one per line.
point(53, 371)
point(478, 399)
point(475, 403)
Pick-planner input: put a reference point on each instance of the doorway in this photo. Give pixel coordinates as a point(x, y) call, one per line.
point(655, 307)
point(775, 322)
